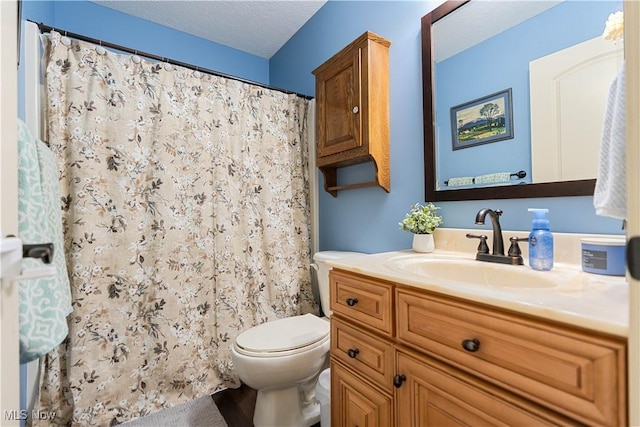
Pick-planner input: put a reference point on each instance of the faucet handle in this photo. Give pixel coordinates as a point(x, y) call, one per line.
point(483, 248)
point(514, 249)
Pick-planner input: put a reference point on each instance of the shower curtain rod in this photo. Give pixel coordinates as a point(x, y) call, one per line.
point(45, 28)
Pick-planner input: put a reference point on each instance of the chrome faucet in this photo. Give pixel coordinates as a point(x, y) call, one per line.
point(514, 256)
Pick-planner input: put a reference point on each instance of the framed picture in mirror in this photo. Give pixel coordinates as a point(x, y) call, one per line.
point(482, 121)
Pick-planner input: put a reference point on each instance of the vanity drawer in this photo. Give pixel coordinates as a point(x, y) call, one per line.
point(577, 374)
point(362, 300)
point(366, 354)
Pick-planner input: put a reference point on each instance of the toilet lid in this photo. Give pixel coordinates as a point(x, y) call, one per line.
point(284, 334)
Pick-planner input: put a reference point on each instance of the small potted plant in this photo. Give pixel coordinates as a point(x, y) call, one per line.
point(422, 220)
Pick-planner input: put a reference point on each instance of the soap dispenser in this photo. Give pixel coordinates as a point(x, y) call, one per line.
point(540, 241)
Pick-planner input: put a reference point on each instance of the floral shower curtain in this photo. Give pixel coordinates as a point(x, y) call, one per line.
point(186, 219)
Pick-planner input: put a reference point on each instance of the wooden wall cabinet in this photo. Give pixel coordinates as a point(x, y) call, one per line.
point(402, 356)
point(352, 111)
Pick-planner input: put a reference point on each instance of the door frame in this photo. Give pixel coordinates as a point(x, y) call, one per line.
point(9, 326)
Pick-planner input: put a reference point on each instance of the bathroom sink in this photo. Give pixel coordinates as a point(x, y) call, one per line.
point(472, 272)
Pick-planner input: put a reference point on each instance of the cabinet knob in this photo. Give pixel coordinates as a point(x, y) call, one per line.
point(355, 110)
point(352, 301)
point(471, 345)
point(353, 352)
point(398, 380)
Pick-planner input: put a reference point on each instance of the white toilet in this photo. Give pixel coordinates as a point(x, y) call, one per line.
point(283, 358)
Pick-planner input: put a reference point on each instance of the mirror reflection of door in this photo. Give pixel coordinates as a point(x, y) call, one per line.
point(568, 96)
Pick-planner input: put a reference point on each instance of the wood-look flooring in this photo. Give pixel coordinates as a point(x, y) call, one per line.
point(237, 406)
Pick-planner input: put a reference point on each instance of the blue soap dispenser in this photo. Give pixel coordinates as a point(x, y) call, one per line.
point(540, 241)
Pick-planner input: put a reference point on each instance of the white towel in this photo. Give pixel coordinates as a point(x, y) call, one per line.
point(493, 178)
point(44, 303)
point(610, 197)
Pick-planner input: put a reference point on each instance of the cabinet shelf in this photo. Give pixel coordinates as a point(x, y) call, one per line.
point(351, 186)
point(331, 180)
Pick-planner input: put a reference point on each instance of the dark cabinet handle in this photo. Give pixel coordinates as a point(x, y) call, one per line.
point(353, 352)
point(352, 301)
point(471, 345)
point(398, 380)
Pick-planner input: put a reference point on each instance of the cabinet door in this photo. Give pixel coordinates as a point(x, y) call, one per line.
point(434, 394)
point(338, 105)
point(355, 403)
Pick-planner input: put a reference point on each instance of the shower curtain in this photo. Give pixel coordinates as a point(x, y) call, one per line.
point(186, 218)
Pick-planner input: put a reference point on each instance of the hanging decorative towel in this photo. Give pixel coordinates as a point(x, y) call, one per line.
point(459, 181)
point(44, 303)
point(493, 178)
point(610, 196)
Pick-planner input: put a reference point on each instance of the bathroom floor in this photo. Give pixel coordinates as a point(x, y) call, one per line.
point(237, 405)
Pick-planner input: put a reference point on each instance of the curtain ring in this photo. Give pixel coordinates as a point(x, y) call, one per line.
point(99, 49)
point(197, 74)
point(65, 40)
point(135, 58)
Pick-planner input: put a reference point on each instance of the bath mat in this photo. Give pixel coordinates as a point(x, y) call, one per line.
point(201, 412)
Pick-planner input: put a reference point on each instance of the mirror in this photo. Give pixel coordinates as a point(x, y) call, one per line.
point(458, 80)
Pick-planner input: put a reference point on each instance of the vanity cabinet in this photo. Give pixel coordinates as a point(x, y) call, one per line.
point(429, 359)
point(352, 111)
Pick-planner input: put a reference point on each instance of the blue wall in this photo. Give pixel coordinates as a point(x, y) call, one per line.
point(367, 219)
point(364, 219)
point(102, 23)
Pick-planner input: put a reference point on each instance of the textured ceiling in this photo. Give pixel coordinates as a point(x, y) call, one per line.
point(481, 21)
point(262, 27)
point(258, 27)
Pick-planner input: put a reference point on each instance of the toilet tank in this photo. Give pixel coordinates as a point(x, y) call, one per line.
point(322, 273)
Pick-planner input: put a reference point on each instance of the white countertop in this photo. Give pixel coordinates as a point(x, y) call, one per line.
point(591, 301)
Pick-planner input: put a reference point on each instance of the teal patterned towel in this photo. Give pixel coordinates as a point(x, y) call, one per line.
point(44, 303)
point(493, 178)
point(460, 181)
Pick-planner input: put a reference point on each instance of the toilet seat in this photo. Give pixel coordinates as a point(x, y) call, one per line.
point(283, 337)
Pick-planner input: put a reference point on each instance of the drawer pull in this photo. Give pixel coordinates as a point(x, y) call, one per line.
point(398, 380)
point(353, 352)
point(471, 345)
point(352, 301)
